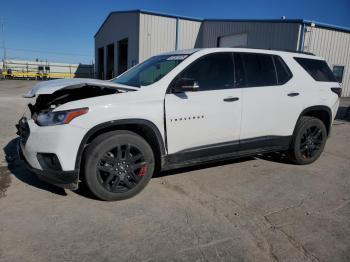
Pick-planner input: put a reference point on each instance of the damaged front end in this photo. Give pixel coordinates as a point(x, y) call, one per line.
point(46, 103)
point(51, 94)
point(49, 152)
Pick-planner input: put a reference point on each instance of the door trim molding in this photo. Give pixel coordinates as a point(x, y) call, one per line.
point(225, 150)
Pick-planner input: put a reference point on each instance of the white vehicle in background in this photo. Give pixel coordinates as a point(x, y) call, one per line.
point(174, 110)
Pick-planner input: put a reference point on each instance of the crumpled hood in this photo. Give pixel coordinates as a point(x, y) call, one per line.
point(51, 86)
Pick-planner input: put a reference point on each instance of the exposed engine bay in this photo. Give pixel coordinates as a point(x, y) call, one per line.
point(48, 102)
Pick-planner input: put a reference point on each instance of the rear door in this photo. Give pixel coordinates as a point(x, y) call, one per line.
point(209, 117)
point(270, 103)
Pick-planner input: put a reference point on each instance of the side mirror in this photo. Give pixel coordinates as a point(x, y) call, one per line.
point(185, 84)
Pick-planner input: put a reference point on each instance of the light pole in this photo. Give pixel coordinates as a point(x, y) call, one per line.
point(3, 41)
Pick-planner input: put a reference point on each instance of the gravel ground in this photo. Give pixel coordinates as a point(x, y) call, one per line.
point(251, 209)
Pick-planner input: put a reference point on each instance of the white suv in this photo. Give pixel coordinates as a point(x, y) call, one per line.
point(174, 110)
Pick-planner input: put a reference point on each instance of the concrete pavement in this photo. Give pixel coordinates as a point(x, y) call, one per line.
point(251, 209)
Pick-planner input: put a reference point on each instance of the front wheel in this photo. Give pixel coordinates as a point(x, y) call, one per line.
point(308, 141)
point(118, 165)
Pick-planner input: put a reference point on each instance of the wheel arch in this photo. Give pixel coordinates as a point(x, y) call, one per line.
point(145, 128)
point(324, 113)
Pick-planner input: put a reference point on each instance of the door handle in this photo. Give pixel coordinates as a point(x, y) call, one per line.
point(231, 99)
point(293, 94)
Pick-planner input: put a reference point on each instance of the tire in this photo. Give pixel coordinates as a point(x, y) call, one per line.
point(118, 165)
point(308, 141)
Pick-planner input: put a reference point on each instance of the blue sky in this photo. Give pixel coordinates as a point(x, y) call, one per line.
point(63, 30)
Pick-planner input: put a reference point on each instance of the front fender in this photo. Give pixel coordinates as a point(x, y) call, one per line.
point(113, 125)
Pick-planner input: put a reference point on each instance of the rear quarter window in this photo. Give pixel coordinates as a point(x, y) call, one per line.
point(282, 71)
point(318, 69)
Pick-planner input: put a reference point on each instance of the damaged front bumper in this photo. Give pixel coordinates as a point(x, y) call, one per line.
point(64, 179)
point(47, 166)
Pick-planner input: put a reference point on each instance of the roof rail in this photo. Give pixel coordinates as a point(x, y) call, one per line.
point(306, 53)
point(276, 49)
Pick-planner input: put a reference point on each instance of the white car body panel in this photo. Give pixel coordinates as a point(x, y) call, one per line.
point(62, 140)
point(49, 87)
point(188, 115)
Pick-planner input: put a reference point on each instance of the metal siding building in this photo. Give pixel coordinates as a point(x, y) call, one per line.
point(130, 37)
point(188, 34)
point(148, 34)
point(259, 34)
point(124, 25)
point(157, 35)
point(334, 46)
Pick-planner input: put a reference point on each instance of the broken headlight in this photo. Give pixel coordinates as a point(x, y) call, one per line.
point(59, 117)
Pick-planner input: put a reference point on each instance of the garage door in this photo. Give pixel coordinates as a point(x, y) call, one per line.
point(237, 40)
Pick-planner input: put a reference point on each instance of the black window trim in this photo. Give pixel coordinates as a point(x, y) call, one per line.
point(286, 67)
point(273, 60)
point(274, 66)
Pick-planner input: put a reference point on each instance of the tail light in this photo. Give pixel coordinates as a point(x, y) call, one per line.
point(336, 90)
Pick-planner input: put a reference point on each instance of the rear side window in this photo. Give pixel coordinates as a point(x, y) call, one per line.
point(259, 70)
point(282, 70)
point(254, 70)
point(318, 69)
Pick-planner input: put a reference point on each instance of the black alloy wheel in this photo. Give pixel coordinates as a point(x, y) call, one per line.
point(118, 165)
point(121, 168)
point(311, 141)
point(308, 140)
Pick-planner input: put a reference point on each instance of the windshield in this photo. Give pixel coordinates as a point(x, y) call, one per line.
point(150, 71)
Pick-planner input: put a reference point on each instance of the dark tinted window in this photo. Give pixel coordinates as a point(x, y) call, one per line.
point(283, 72)
point(259, 69)
point(318, 69)
point(338, 72)
point(212, 72)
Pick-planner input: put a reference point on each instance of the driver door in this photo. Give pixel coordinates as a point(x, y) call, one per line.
point(209, 117)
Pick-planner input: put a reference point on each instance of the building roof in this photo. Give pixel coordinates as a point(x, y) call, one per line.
point(150, 13)
point(327, 26)
point(298, 21)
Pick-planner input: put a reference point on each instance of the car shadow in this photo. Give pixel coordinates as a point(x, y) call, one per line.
point(85, 192)
point(343, 113)
point(17, 167)
point(277, 157)
point(202, 166)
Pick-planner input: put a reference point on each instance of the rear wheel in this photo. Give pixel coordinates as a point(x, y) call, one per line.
point(308, 141)
point(118, 165)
